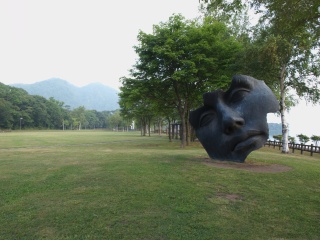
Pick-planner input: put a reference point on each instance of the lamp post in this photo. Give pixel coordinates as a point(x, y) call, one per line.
point(20, 122)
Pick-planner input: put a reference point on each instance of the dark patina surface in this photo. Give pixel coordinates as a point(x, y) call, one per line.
point(232, 124)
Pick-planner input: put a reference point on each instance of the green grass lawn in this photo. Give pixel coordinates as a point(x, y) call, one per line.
point(104, 185)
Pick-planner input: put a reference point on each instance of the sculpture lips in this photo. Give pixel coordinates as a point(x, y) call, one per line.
point(250, 142)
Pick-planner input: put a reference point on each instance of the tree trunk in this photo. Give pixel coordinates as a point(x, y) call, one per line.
point(184, 128)
point(188, 128)
point(169, 129)
point(172, 131)
point(285, 142)
point(182, 108)
point(144, 126)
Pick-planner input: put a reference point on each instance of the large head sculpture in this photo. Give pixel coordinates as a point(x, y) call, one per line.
point(232, 124)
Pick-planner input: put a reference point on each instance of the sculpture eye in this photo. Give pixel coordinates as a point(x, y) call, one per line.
point(238, 95)
point(206, 118)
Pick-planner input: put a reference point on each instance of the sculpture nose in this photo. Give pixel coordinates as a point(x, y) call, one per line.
point(231, 124)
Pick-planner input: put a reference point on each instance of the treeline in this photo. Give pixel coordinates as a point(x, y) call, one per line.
point(302, 138)
point(177, 63)
point(182, 59)
point(18, 109)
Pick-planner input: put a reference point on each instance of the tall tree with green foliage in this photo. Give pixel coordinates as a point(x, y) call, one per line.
point(291, 139)
point(182, 59)
point(79, 117)
point(287, 41)
point(135, 103)
point(277, 137)
point(6, 116)
point(115, 120)
point(315, 139)
point(303, 138)
point(92, 119)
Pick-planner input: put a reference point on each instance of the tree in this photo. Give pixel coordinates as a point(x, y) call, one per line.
point(33, 111)
point(103, 118)
point(135, 103)
point(115, 120)
point(277, 137)
point(39, 112)
point(303, 138)
point(315, 139)
point(79, 117)
point(291, 139)
point(56, 113)
point(182, 59)
point(91, 119)
point(288, 40)
point(15, 103)
point(6, 116)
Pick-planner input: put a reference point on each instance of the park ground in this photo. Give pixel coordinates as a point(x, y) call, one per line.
point(119, 185)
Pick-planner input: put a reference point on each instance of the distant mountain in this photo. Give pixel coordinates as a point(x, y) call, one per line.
point(274, 129)
point(94, 96)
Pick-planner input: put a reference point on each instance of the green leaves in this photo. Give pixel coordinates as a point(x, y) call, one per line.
point(284, 46)
point(187, 51)
point(303, 138)
point(177, 63)
point(34, 111)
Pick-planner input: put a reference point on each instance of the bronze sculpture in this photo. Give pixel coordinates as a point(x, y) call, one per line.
point(232, 124)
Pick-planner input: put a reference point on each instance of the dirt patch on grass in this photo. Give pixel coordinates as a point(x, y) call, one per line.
point(249, 166)
point(225, 198)
point(231, 196)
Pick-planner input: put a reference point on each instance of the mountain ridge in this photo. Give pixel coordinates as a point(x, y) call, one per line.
point(94, 96)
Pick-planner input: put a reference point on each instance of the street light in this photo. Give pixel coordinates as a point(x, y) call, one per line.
point(20, 122)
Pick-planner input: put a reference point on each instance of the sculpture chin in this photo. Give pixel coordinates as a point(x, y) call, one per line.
point(244, 148)
point(232, 148)
point(251, 143)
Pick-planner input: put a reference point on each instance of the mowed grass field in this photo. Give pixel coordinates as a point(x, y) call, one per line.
point(115, 185)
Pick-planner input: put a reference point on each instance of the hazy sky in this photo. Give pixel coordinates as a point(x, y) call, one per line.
point(303, 118)
point(84, 41)
point(81, 41)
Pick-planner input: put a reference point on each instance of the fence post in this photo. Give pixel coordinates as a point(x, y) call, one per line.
point(311, 150)
point(268, 143)
point(293, 147)
point(301, 145)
